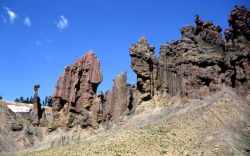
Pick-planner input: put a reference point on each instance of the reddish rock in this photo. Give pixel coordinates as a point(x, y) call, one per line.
point(238, 50)
point(107, 105)
point(144, 64)
point(198, 64)
point(79, 82)
point(75, 91)
point(96, 111)
point(122, 101)
point(239, 20)
point(119, 96)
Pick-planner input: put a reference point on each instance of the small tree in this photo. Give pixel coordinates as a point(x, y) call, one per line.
point(31, 99)
point(46, 100)
point(1, 98)
point(21, 99)
point(16, 100)
point(50, 101)
point(27, 100)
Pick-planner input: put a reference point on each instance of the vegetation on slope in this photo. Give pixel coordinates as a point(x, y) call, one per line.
point(217, 125)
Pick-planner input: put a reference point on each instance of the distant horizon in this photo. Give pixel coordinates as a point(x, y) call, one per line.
point(39, 39)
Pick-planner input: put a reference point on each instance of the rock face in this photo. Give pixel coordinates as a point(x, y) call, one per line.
point(97, 110)
point(144, 64)
point(200, 63)
point(237, 48)
point(74, 96)
point(107, 106)
point(192, 66)
point(75, 101)
point(122, 100)
point(239, 23)
point(37, 115)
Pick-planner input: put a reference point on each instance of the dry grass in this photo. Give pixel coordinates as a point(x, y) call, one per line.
point(211, 127)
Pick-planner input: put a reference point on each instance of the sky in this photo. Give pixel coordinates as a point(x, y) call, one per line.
point(38, 38)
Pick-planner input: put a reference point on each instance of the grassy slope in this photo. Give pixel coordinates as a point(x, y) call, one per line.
point(156, 139)
point(213, 129)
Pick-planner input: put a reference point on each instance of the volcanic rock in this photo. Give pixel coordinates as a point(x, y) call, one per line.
point(198, 64)
point(238, 19)
point(201, 62)
point(144, 64)
point(107, 106)
point(119, 96)
point(74, 96)
point(121, 101)
point(37, 114)
point(238, 49)
point(96, 114)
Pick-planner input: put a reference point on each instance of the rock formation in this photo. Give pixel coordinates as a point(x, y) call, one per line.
point(97, 110)
point(191, 66)
point(239, 23)
point(112, 106)
point(200, 63)
point(144, 64)
point(75, 101)
point(237, 48)
point(107, 106)
point(122, 99)
point(197, 66)
point(37, 114)
point(74, 96)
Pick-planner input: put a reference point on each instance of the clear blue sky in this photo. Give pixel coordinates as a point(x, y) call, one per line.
point(38, 38)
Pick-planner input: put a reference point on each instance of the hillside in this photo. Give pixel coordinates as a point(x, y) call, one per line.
point(216, 125)
point(194, 99)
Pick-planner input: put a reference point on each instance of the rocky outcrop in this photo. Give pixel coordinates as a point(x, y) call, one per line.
point(144, 64)
point(191, 66)
point(37, 114)
point(75, 101)
point(237, 48)
point(74, 98)
point(238, 20)
point(119, 96)
point(107, 106)
point(200, 63)
point(96, 114)
point(123, 99)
